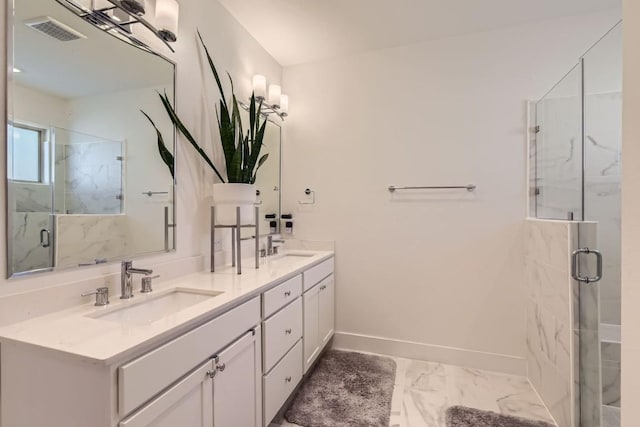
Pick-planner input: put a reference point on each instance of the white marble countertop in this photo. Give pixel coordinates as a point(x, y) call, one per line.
point(75, 333)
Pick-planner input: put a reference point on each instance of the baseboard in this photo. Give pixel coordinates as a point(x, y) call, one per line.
point(434, 353)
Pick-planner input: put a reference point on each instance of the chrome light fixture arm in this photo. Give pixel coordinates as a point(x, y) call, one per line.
point(107, 23)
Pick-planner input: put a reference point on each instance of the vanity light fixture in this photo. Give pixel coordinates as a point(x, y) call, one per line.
point(167, 12)
point(276, 103)
point(118, 16)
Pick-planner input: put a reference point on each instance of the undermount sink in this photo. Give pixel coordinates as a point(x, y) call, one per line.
point(150, 308)
point(297, 254)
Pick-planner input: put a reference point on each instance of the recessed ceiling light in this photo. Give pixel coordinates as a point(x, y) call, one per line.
point(17, 70)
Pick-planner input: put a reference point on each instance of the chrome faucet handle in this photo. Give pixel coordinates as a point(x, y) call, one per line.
point(102, 296)
point(146, 284)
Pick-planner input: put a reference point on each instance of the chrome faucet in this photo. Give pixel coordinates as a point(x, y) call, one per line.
point(272, 250)
point(125, 278)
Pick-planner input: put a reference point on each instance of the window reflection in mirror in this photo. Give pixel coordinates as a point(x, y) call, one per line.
point(81, 157)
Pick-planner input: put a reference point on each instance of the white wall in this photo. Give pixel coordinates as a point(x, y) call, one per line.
point(631, 216)
point(443, 269)
point(233, 50)
point(40, 108)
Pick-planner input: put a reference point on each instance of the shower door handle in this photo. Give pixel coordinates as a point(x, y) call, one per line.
point(574, 265)
point(44, 232)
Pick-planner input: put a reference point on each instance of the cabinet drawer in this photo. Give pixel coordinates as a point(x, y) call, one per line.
point(281, 332)
point(144, 377)
point(317, 273)
point(281, 295)
point(281, 381)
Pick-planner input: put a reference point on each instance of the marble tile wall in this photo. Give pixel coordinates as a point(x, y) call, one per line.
point(603, 140)
point(549, 317)
point(30, 207)
point(29, 197)
point(562, 322)
point(85, 238)
point(26, 252)
point(93, 177)
point(610, 374)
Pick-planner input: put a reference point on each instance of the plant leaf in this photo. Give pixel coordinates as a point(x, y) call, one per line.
point(255, 150)
point(234, 171)
point(260, 163)
point(181, 127)
point(227, 134)
point(213, 70)
point(165, 154)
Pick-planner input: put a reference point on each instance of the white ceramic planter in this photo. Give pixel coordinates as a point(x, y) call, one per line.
point(226, 197)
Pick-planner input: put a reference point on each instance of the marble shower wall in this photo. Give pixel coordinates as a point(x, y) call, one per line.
point(553, 334)
point(549, 317)
point(92, 175)
point(85, 238)
point(26, 252)
point(29, 197)
point(603, 140)
point(29, 205)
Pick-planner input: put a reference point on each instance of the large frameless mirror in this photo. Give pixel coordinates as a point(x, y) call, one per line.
point(85, 181)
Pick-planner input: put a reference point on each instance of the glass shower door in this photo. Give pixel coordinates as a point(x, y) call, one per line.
point(602, 204)
point(558, 150)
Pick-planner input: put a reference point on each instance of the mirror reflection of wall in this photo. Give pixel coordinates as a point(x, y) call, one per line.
point(82, 158)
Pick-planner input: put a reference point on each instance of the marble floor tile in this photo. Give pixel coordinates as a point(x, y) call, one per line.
point(424, 390)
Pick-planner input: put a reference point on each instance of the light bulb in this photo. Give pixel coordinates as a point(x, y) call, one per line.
point(260, 86)
point(275, 92)
point(284, 105)
point(167, 13)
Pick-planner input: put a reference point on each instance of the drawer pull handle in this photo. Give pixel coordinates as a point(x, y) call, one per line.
point(212, 373)
point(287, 380)
point(287, 293)
point(287, 331)
point(221, 367)
point(323, 287)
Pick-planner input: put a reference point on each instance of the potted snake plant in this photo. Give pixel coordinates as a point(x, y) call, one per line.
point(241, 149)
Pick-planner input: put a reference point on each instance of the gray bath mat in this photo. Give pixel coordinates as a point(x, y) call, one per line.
point(345, 390)
point(461, 416)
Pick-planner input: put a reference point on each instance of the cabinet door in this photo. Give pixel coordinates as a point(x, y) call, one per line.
point(187, 403)
point(326, 313)
point(237, 388)
point(311, 337)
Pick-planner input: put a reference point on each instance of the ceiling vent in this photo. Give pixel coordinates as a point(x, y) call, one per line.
point(54, 29)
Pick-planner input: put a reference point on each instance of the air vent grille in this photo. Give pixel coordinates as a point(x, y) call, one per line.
point(54, 29)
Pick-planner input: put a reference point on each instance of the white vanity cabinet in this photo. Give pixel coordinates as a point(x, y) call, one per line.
point(318, 305)
point(237, 385)
point(209, 375)
point(225, 391)
point(234, 367)
point(282, 347)
point(318, 319)
point(188, 403)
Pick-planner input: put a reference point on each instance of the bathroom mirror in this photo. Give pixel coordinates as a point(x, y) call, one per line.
point(268, 179)
point(85, 181)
